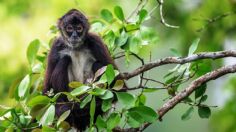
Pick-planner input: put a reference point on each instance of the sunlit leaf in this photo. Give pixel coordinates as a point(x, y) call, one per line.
point(75, 84)
point(132, 27)
point(98, 91)
point(142, 15)
point(135, 45)
point(122, 39)
point(48, 117)
point(118, 85)
point(65, 126)
point(107, 15)
point(63, 117)
point(107, 95)
point(141, 100)
point(48, 129)
point(24, 86)
point(194, 46)
point(110, 74)
point(119, 13)
point(85, 101)
point(80, 90)
point(37, 111)
point(53, 29)
point(32, 51)
point(99, 72)
point(39, 100)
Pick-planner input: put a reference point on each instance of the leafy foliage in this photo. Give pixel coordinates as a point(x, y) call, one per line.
point(36, 112)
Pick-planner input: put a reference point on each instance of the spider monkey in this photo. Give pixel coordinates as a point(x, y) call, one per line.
point(75, 56)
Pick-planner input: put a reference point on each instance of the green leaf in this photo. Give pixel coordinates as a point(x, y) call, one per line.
point(24, 86)
point(200, 91)
point(100, 123)
point(132, 27)
point(187, 114)
point(32, 51)
point(97, 27)
point(126, 99)
point(38, 68)
point(113, 121)
point(147, 113)
point(99, 72)
point(37, 111)
point(64, 126)
point(39, 100)
point(204, 112)
point(98, 91)
point(80, 90)
point(75, 84)
point(203, 98)
point(107, 95)
point(122, 39)
point(85, 101)
point(118, 85)
point(134, 119)
point(63, 117)
point(141, 100)
point(193, 47)
point(92, 111)
point(109, 39)
point(107, 15)
point(106, 105)
point(48, 117)
point(150, 90)
point(53, 29)
point(110, 74)
point(119, 13)
point(48, 129)
point(142, 15)
point(135, 45)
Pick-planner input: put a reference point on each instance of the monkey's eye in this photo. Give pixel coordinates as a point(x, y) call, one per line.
point(69, 28)
point(79, 28)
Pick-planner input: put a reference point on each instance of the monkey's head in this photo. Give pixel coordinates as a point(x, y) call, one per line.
point(74, 27)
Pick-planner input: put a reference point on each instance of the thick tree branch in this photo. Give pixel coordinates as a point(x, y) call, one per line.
point(192, 87)
point(185, 93)
point(178, 60)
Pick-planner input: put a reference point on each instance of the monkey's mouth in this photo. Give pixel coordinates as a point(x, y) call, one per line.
point(74, 41)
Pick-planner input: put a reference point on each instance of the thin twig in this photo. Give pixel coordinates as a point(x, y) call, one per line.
point(161, 2)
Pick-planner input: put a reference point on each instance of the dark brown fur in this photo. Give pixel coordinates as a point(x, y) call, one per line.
point(57, 75)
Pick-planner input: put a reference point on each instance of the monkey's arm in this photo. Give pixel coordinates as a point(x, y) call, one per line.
point(53, 58)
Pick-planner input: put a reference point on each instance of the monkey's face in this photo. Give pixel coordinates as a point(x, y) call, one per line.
point(74, 28)
point(74, 34)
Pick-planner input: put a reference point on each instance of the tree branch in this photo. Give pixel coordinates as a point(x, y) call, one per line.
point(178, 60)
point(185, 93)
point(192, 87)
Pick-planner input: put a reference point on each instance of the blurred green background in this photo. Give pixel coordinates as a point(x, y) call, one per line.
point(24, 20)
